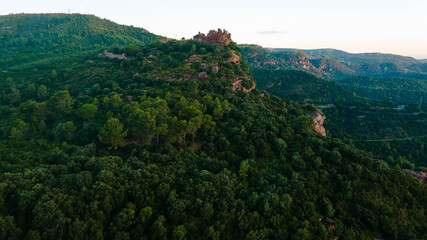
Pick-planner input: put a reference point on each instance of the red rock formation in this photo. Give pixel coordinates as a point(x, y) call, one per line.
point(165, 40)
point(237, 85)
point(234, 59)
point(420, 176)
point(319, 118)
point(220, 37)
point(202, 75)
point(215, 69)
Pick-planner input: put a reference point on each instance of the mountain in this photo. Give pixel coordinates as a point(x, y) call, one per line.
point(32, 37)
point(354, 57)
point(330, 63)
point(175, 141)
point(422, 60)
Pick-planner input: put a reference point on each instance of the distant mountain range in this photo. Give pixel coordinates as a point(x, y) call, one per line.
point(332, 63)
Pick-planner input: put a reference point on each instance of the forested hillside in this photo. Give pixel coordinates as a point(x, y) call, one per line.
point(396, 89)
point(32, 37)
point(173, 142)
point(395, 136)
point(300, 86)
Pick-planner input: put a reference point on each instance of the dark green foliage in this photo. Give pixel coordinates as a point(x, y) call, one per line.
point(396, 89)
point(199, 160)
point(396, 136)
point(298, 86)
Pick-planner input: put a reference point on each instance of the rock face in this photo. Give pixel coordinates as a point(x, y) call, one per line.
point(112, 55)
point(237, 84)
point(234, 59)
point(194, 58)
point(319, 118)
point(420, 176)
point(202, 75)
point(220, 37)
point(215, 69)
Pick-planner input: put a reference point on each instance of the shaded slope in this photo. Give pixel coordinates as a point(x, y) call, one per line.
point(299, 86)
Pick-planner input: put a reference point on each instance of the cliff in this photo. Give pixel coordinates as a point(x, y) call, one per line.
point(318, 118)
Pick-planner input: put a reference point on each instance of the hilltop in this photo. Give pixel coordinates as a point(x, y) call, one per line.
point(31, 37)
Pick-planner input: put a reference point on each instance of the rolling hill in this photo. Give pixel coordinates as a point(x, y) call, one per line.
point(31, 37)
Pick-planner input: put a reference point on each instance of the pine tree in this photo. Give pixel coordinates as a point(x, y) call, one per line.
point(112, 133)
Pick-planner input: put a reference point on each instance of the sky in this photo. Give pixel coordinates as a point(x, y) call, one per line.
point(387, 26)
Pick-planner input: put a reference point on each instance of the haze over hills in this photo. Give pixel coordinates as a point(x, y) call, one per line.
point(331, 63)
point(174, 141)
point(353, 57)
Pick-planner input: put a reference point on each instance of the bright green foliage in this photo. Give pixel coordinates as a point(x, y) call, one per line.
point(87, 111)
point(131, 50)
point(112, 133)
point(42, 93)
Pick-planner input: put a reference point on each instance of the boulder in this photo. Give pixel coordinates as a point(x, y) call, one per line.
point(194, 58)
point(202, 75)
point(318, 118)
point(215, 69)
point(235, 59)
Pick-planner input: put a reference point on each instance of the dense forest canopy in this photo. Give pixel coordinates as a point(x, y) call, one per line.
point(162, 146)
point(30, 37)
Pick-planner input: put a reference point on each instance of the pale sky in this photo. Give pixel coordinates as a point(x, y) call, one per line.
point(388, 26)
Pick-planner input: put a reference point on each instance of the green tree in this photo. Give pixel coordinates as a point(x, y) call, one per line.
point(64, 131)
point(280, 145)
point(112, 133)
point(131, 50)
point(42, 93)
point(19, 130)
point(87, 111)
point(179, 233)
point(15, 95)
point(60, 104)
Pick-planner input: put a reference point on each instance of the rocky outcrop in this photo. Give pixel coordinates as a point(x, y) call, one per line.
point(420, 176)
point(237, 84)
point(318, 118)
point(202, 75)
point(194, 58)
point(112, 55)
point(234, 59)
point(220, 37)
point(215, 69)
